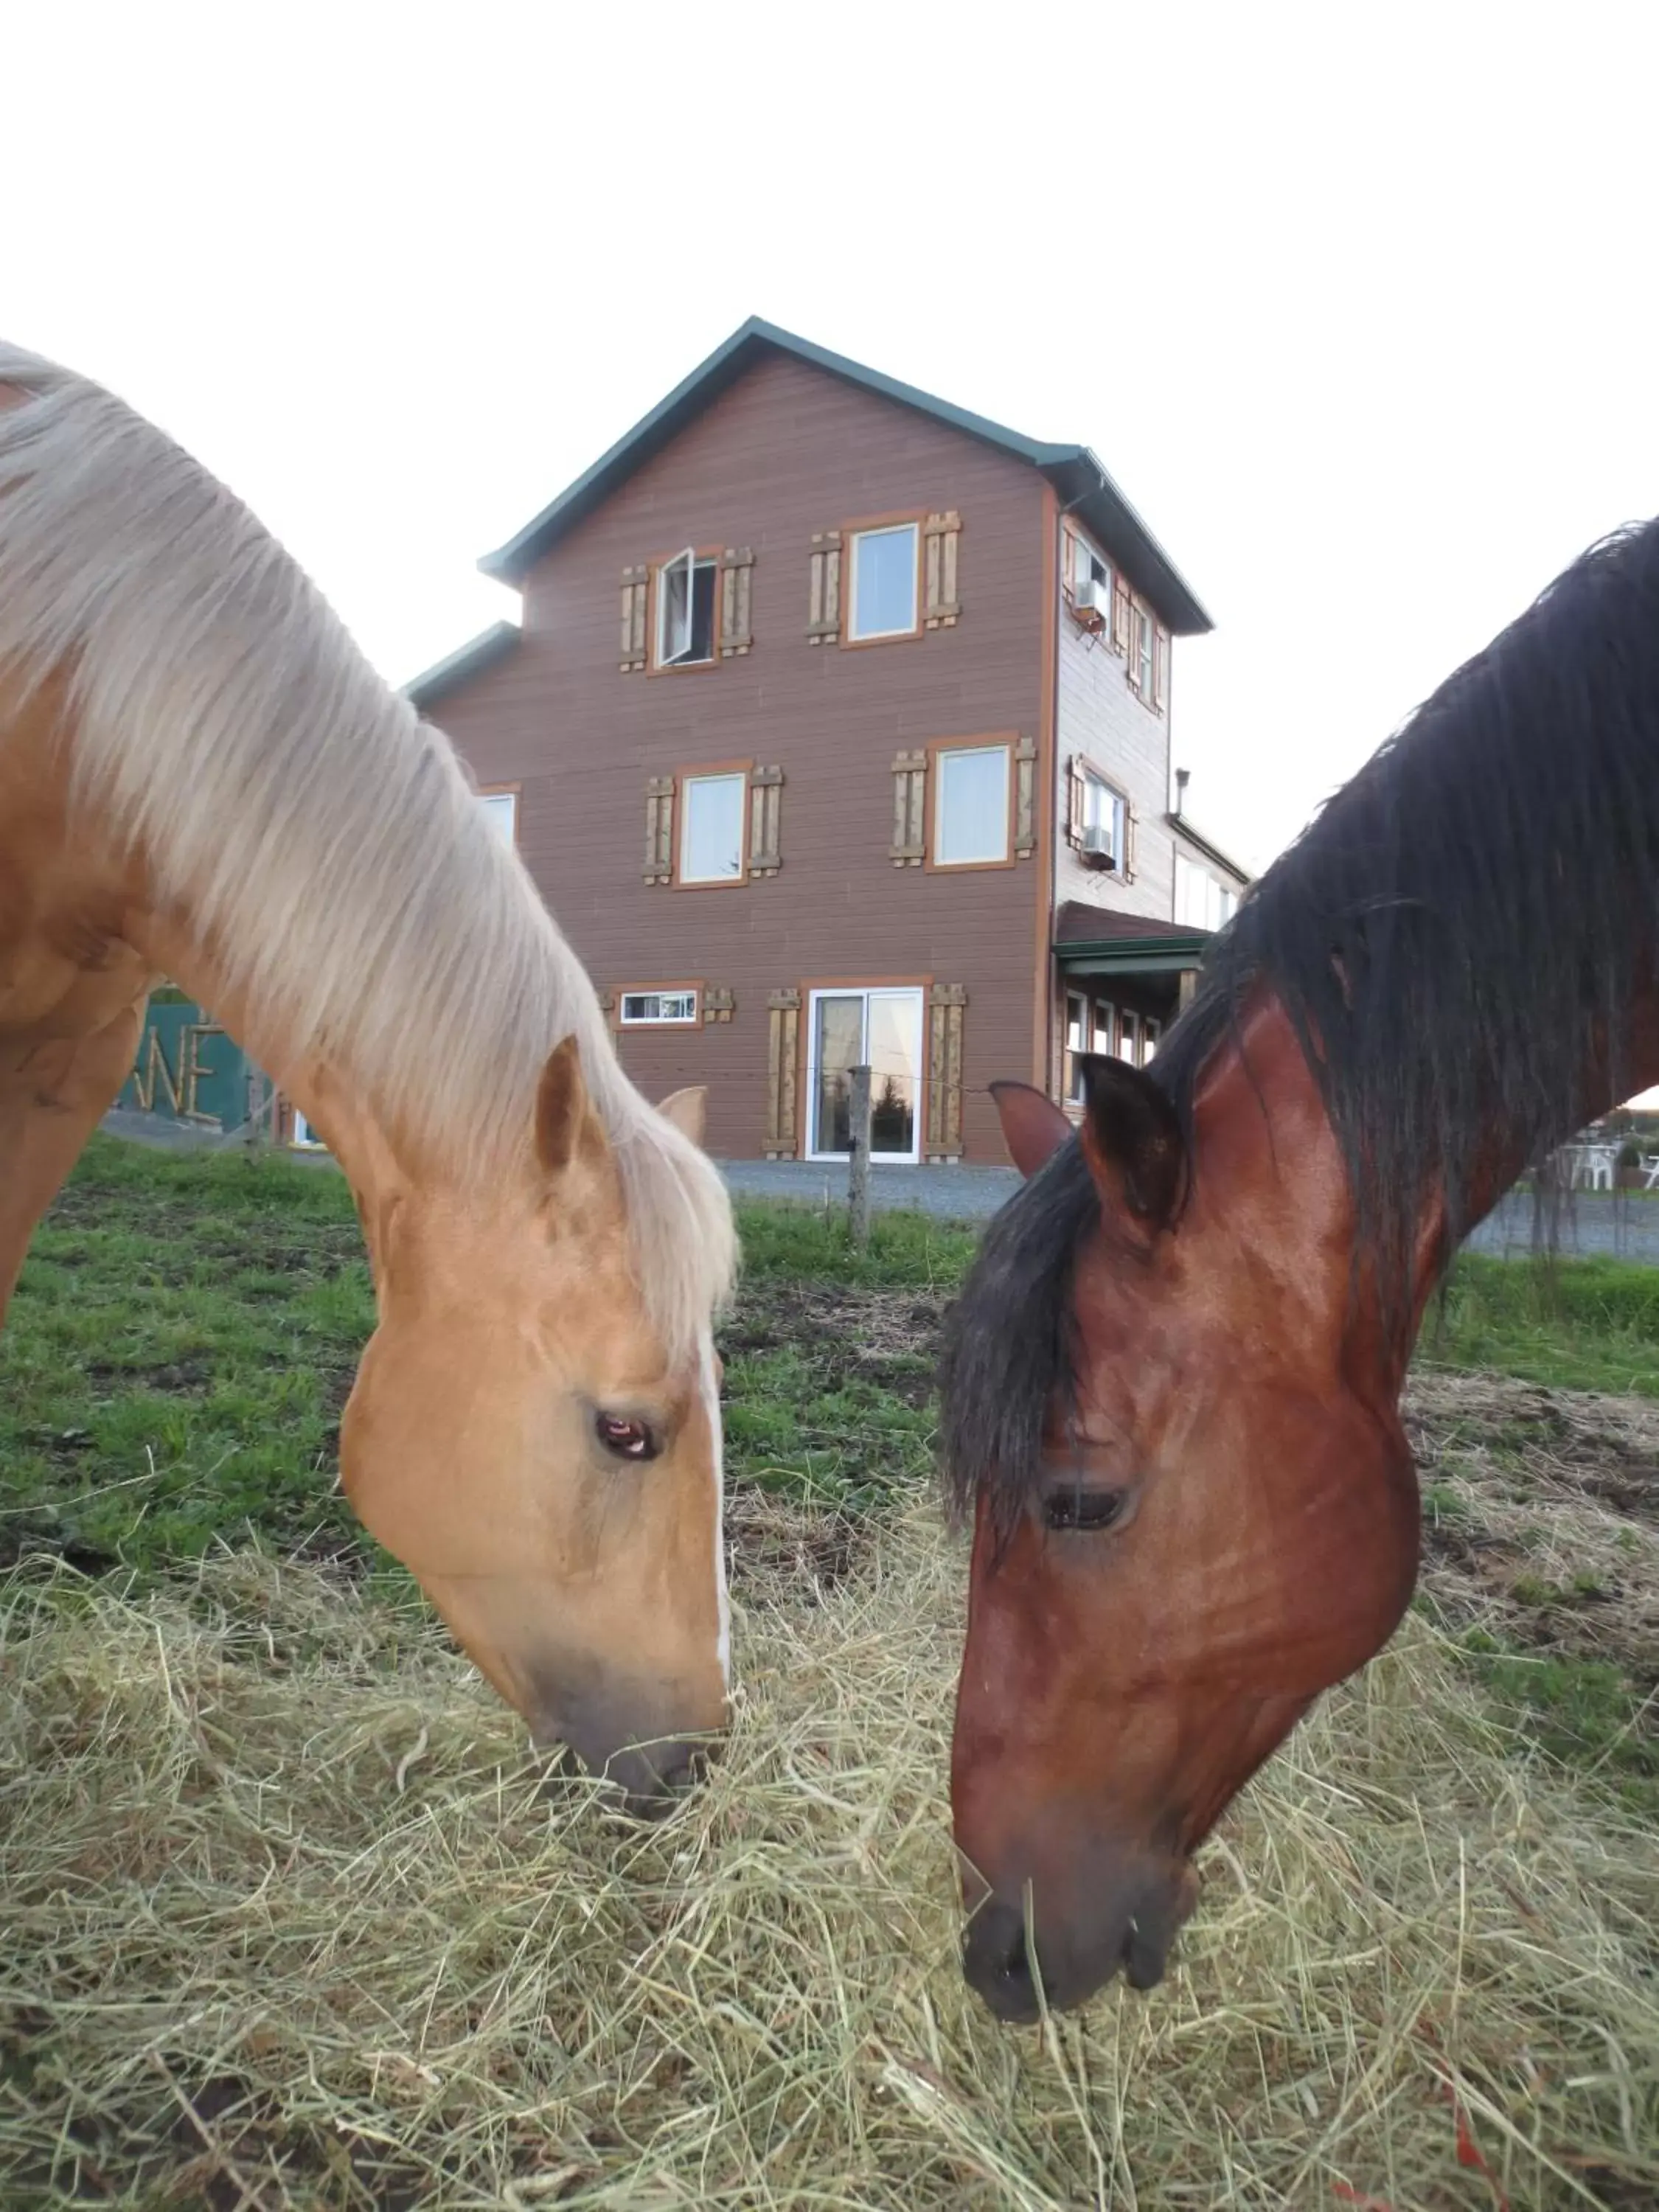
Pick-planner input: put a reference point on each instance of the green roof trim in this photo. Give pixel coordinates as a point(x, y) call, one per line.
point(471, 658)
point(1083, 486)
point(1134, 956)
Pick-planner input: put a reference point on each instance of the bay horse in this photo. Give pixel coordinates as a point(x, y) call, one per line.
point(202, 778)
point(1171, 1385)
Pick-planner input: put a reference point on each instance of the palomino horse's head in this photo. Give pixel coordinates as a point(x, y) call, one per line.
point(519, 1437)
point(1207, 1517)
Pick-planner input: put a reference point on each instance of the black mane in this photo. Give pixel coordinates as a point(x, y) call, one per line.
point(1461, 928)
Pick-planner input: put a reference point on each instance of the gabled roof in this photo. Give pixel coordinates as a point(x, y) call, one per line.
point(1083, 485)
point(1079, 923)
point(471, 658)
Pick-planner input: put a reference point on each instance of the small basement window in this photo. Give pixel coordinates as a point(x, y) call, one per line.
point(884, 572)
point(652, 1009)
point(685, 611)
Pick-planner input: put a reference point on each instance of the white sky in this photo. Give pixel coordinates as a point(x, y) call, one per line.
point(1357, 304)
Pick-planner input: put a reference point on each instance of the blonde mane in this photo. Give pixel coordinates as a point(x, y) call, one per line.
point(306, 819)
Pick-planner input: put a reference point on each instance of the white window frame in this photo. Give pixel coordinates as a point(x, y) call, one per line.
point(855, 635)
point(490, 805)
point(1116, 804)
point(1128, 1025)
point(1152, 1034)
point(690, 561)
point(1108, 1026)
point(1073, 1063)
point(685, 1018)
point(738, 775)
point(1143, 643)
point(867, 992)
point(997, 860)
point(1093, 554)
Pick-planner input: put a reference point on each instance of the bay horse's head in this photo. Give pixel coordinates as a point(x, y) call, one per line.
point(1194, 1504)
point(524, 1438)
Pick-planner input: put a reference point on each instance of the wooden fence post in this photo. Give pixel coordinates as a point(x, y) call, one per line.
point(858, 1164)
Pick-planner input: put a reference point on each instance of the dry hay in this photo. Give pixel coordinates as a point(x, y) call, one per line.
point(287, 1923)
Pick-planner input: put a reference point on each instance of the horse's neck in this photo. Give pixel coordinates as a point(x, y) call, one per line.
point(1269, 1165)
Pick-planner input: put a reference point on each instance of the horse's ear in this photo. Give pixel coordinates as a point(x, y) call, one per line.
point(1133, 1140)
point(569, 1133)
point(688, 1111)
point(1033, 1127)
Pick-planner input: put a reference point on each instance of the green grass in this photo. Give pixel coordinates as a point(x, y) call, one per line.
point(182, 1342)
point(1577, 1325)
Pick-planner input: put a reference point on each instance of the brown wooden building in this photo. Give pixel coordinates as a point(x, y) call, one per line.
point(837, 728)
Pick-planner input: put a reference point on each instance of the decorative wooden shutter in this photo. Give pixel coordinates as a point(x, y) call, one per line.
point(1025, 754)
point(635, 591)
point(783, 1037)
point(824, 593)
point(1160, 666)
point(909, 845)
point(945, 1002)
point(1120, 615)
point(659, 829)
point(1131, 822)
point(943, 606)
point(718, 1003)
point(608, 1004)
point(765, 808)
point(1076, 800)
point(737, 626)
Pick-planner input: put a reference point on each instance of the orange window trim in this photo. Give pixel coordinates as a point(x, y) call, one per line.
point(849, 531)
point(934, 747)
point(654, 567)
point(631, 990)
point(681, 777)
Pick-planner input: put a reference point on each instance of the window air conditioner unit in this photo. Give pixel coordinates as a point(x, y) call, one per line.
point(1097, 846)
point(1092, 602)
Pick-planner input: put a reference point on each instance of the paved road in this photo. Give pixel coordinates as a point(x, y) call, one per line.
point(1595, 1222)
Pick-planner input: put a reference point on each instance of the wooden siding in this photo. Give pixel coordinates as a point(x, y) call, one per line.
point(786, 452)
point(1100, 717)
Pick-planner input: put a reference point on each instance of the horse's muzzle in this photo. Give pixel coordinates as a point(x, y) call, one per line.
point(1071, 1954)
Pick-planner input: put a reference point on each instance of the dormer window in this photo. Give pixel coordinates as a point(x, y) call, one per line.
point(685, 611)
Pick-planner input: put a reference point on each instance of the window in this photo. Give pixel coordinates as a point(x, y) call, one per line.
point(654, 1009)
point(713, 808)
point(1105, 1026)
point(1087, 566)
point(879, 1029)
point(1102, 812)
point(1077, 1043)
point(1201, 900)
point(883, 593)
point(1151, 1032)
point(1143, 650)
point(685, 611)
point(970, 807)
point(501, 809)
point(1128, 1036)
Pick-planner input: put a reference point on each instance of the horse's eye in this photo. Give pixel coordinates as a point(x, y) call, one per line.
point(626, 1439)
point(1083, 1509)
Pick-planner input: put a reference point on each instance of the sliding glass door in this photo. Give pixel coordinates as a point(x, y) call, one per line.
point(848, 1028)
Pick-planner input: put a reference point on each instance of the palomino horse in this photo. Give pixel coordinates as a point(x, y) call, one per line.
point(201, 777)
point(1173, 1381)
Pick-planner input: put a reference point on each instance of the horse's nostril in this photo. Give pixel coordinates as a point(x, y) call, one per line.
point(688, 1771)
point(1015, 1970)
